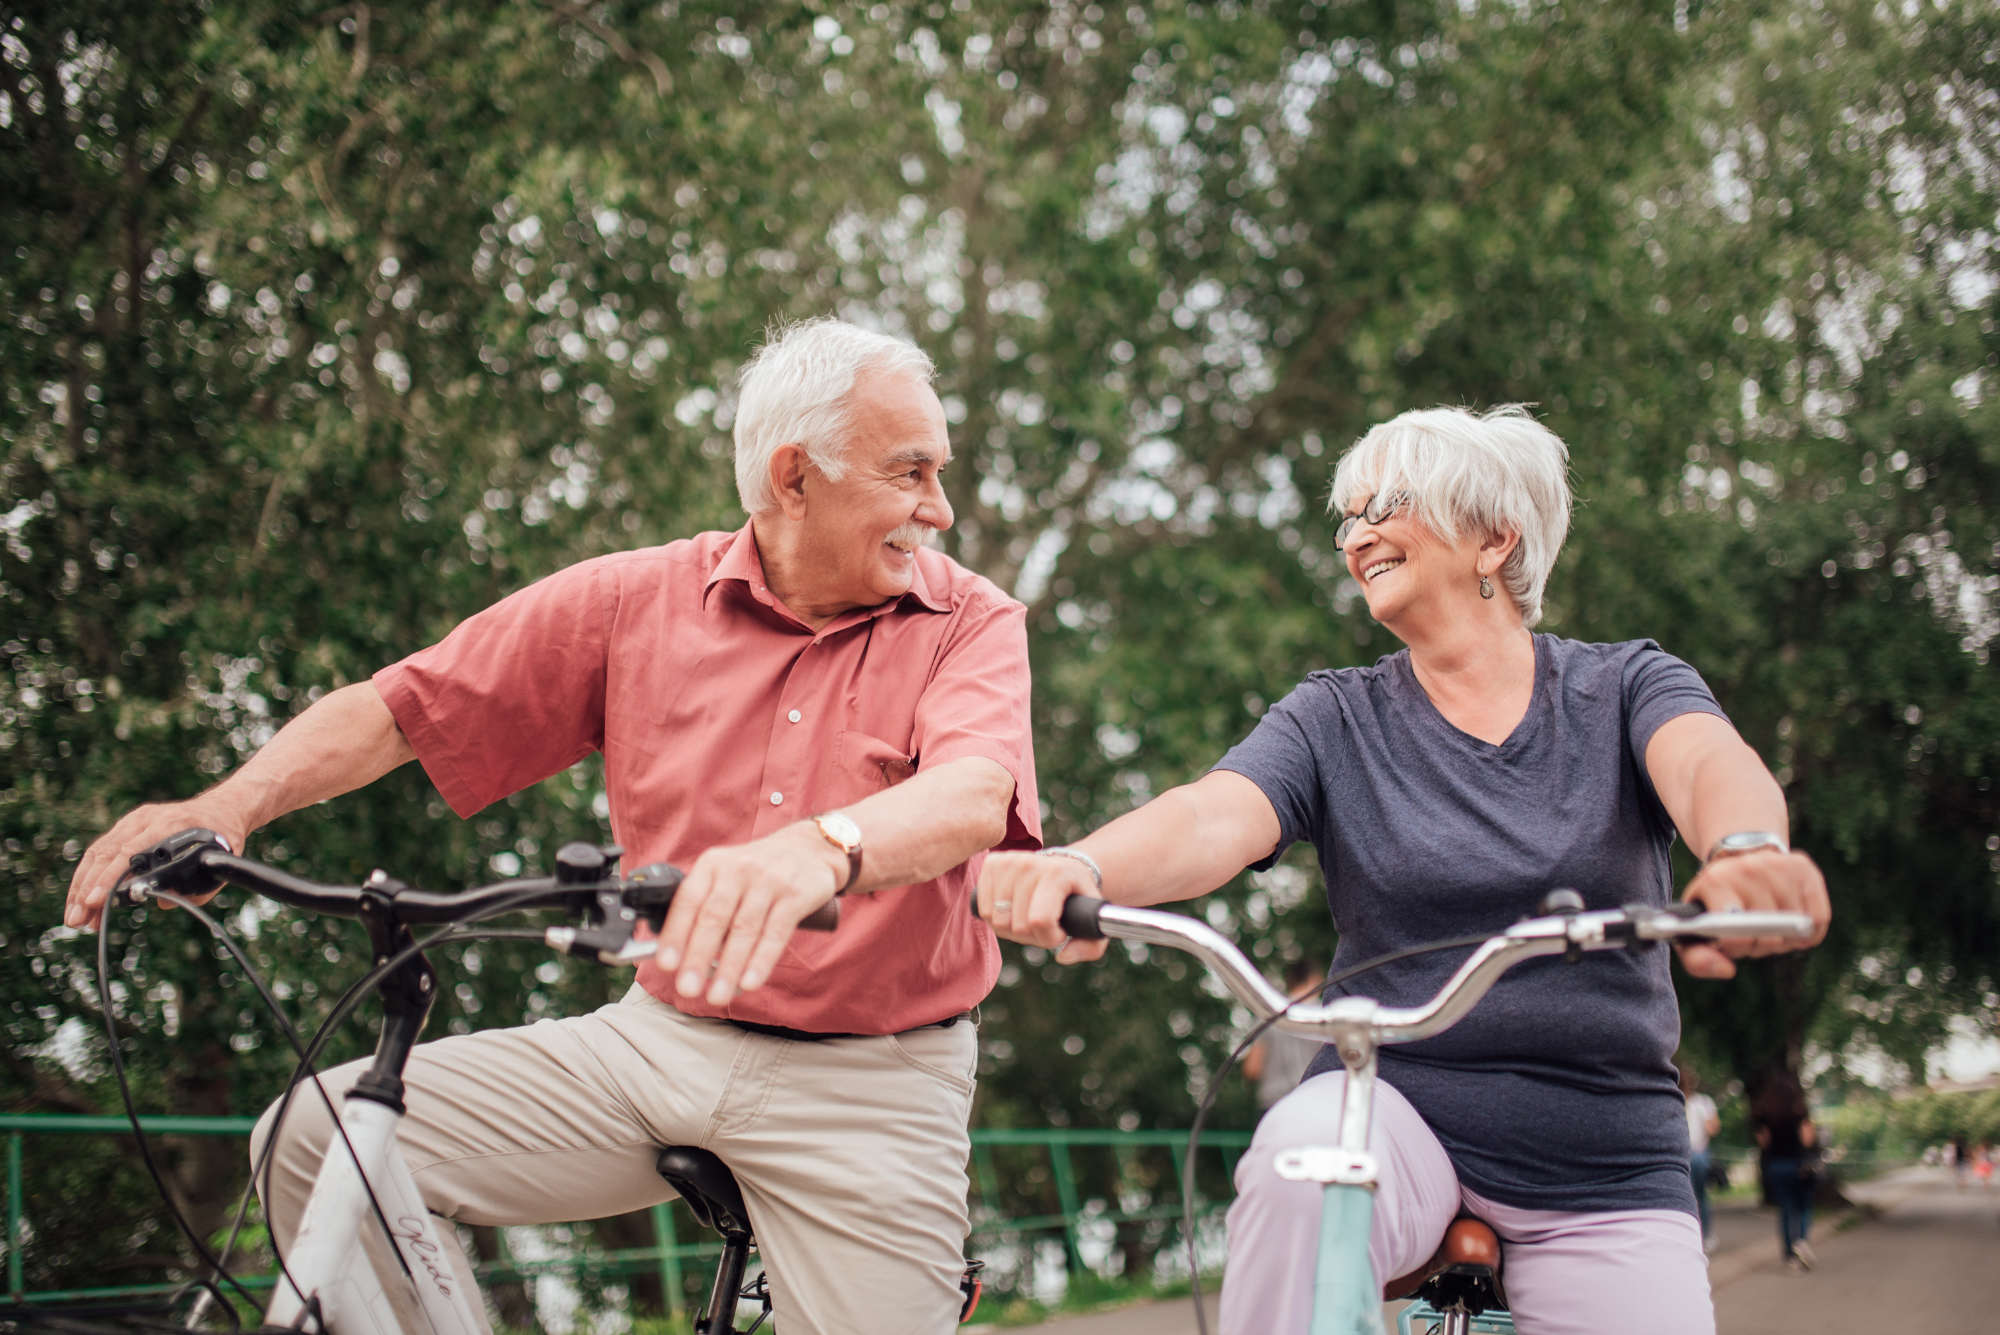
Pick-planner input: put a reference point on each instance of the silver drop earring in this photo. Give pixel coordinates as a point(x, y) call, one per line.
point(1485, 587)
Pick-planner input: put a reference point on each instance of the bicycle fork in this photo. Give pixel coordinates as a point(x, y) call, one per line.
point(1347, 1297)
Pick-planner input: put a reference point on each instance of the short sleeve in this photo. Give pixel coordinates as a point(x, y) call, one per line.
point(1291, 755)
point(1658, 689)
point(976, 704)
point(514, 694)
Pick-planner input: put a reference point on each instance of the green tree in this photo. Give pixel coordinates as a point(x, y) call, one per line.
point(326, 327)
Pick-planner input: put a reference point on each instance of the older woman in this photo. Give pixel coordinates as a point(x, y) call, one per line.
point(1446, 788)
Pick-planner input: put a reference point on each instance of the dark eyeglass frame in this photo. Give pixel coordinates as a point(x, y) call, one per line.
point(1374, 510)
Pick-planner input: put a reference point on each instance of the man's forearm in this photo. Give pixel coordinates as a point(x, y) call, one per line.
point(343, 742)
point(929, 823)
point(346, 741)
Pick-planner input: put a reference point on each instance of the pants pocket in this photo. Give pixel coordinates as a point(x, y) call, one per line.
point(950, 1055)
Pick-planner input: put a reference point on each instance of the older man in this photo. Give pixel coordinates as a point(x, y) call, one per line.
point(814, 704)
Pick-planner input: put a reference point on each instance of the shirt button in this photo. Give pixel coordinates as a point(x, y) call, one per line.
point(795, 716)
point(777, 798)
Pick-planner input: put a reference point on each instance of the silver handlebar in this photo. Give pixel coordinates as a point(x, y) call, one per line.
point(1346, 1019)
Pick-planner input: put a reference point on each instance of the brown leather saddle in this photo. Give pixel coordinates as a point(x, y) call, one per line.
point(1463, 1275)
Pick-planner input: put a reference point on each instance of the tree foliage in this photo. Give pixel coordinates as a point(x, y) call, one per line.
point(327, 325)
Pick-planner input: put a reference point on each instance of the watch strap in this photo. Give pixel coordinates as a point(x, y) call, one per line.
point(1746, 841)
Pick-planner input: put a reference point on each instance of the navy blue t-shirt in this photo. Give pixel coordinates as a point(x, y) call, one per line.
point(1558, 1091)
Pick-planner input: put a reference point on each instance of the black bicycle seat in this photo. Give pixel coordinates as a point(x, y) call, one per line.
point(708, 1187)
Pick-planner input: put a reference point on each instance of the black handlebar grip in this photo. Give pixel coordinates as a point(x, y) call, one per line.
point(824, 918)
point(1079, 918)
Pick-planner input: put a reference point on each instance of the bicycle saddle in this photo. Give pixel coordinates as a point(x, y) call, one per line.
point(708, 1187)
point(1465, 1268)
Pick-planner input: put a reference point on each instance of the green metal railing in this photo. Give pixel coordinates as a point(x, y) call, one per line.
point(665, 1258)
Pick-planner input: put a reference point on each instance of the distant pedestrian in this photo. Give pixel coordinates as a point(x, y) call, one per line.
point(1789, 1146)
point(1960, 1160)
point(1703, 1123)
point(1278, 1060)
point(1982, 1165)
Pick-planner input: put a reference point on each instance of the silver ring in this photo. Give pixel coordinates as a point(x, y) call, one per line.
point(1002, 905)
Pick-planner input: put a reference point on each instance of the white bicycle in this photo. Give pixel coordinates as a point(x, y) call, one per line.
point(326, 1283)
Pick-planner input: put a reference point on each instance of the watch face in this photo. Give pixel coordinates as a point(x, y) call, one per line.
point(841, 830)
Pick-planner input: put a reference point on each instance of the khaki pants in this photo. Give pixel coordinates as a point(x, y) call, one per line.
point(851, 1152)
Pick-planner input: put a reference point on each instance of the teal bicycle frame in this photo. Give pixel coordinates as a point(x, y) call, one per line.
point(1347, 1294)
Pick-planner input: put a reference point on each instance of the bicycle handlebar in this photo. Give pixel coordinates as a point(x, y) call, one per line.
point(195, 862)
point(1571, 934)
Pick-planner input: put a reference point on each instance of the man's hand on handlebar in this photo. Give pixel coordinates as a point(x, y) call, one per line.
point(738, 907)
point(1021, 895)
point(1785, 882)
point(110, 855)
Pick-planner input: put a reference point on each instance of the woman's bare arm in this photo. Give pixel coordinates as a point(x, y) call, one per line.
point(1185, 842)
point(1712, 784)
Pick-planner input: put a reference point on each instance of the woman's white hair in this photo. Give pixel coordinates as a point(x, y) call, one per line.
point(796, 390)
point(1494, 472)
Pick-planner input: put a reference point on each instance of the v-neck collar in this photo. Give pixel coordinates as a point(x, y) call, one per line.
point(1523, 728)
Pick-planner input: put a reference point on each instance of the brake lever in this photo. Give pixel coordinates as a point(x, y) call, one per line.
point(610, 936)
point(173, 864)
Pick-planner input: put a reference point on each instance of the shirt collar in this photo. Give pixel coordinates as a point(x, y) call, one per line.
point(741, 561)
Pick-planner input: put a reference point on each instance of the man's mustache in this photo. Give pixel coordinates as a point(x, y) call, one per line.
point(910, 534)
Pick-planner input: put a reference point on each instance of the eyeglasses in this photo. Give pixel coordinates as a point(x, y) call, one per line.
point(1378, 508)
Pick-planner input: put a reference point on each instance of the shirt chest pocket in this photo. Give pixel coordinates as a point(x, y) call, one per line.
point(864, 765)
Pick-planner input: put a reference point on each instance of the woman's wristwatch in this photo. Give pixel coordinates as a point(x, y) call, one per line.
point(1747, 841)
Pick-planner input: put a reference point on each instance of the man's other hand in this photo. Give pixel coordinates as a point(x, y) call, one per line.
point(739, 906)
point(111, 855)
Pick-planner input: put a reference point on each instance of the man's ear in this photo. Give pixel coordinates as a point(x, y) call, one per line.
point(1494, 550)
point(789, 467)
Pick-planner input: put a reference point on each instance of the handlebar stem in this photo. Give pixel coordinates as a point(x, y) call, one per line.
point(406, 994)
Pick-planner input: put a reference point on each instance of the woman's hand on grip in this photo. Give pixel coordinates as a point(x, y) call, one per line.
point(1021, 896)
point(1781, 882)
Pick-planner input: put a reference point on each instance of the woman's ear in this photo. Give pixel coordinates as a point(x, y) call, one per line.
point(789, 467)
point(1494, 549)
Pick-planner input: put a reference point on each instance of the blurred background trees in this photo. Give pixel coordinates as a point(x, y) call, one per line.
point(327, 325)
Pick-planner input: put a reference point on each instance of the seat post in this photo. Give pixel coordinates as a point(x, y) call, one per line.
point(721, 1318)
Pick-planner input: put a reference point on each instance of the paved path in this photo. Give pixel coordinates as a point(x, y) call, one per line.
point(1922, 1256)
point(1929, 1262)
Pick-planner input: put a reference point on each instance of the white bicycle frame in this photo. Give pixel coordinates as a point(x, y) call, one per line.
point(1347, 1294)
point(328, 1266)
point(329, 1283)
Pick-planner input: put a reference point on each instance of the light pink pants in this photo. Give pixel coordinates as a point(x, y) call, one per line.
point(1638, 1272)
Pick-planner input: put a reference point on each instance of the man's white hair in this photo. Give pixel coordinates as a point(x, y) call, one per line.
point(796, 391)
point(1494, 472)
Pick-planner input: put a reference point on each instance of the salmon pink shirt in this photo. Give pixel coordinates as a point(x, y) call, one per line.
point(722, 718)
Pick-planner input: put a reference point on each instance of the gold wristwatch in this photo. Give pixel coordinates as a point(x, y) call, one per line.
point(845, 835)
